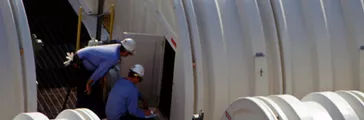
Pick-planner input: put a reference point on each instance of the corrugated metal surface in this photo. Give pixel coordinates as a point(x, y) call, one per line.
point(55, 23)
point(320, 47)
point(321, 41)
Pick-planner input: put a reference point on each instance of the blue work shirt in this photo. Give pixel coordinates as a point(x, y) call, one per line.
point(99, 59)
point(123, 99)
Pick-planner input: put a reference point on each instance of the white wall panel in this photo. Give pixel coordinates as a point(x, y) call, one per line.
point(144, 16)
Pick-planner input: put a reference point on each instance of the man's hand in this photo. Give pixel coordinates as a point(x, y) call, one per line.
point(145, 105)
point(147, 112)
point(88, 87)
point(150, 115)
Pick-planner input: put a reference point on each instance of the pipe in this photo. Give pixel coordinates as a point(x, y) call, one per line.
point(112, 15)
point(79, 28)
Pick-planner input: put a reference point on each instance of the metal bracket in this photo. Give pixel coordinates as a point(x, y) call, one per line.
point(198, 116)
point(259, 54)
point(362, 47)
point(261, 72)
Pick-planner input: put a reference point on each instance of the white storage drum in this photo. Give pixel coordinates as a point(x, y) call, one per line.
point(354, 101)
point(335, 105)
point(317, 111)
point(248, 108)
point(359, 94)
point(274, 107)
point(70, 115)
point(292, 107)
point(87, 114)
point(31, 116)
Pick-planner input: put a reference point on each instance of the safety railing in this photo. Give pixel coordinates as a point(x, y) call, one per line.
point(108, 21)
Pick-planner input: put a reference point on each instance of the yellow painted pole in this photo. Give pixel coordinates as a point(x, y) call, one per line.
point(112, 15)
point(79, 28)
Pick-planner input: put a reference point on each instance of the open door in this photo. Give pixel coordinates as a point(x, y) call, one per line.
point(167, 81)
point(157, 56)
point(149, 53)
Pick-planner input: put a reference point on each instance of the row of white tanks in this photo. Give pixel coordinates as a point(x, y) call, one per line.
point(339, 105)
point(69, 114)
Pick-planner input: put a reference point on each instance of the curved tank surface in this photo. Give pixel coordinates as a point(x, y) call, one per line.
point(17, 71)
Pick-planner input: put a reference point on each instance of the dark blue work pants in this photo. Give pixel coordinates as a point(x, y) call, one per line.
point(94, 101)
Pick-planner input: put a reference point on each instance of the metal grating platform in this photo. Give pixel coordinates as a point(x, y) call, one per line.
point(55, 23)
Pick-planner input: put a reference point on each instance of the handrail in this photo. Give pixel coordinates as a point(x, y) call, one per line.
point(112, 15)
point(110, 26)
point(79, 28)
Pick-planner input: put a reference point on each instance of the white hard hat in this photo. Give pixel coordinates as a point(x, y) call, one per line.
point(139, 69)
point(129, 44)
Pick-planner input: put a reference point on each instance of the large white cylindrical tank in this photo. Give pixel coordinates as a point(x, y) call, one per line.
point(31, 116)
point(18, 91)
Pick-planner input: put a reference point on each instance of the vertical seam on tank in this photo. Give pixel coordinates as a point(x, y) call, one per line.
point(224, 44)
point(280, 47)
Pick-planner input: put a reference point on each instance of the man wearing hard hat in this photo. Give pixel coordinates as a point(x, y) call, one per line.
point(91, 64)
point(122, 103)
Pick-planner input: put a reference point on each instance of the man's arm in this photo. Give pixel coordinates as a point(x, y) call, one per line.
point(132, 103)
point(101, 70)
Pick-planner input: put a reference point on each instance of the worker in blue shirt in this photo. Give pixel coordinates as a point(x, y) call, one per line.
point(91, 64)
point(122, 103)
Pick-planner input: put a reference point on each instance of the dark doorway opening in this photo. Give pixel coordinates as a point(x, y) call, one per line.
point(167, 80)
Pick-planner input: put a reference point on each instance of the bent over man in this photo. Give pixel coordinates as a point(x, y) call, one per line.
point(91, 64)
